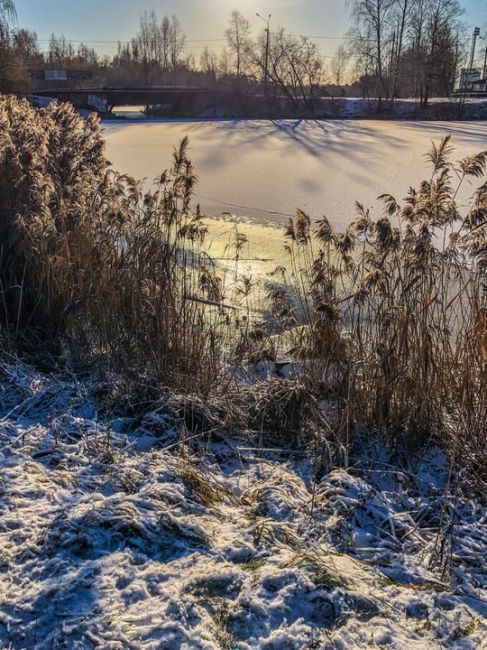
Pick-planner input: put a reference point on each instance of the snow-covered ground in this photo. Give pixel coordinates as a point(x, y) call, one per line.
point(126, 533)
point(266, 169)
point(409, 108)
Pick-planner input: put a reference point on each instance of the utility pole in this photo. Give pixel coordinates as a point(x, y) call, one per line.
point(267, 45)
point(476, 34)
point(466, 74)
point(484, 72)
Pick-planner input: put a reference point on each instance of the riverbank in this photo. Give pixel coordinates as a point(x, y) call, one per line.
point(124, 532)
point(329, 108)
point(177, 470)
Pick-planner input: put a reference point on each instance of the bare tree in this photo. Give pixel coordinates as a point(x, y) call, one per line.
point(406, 46)
point(209, 63)
point(87, 56)
point(177, 41)
point(7, 12)
point(237, 35)
point(442, 35)
point(13, 73)
point(296, 67)
point(402, 17)
point(371, 36)
point(160, 43)
point(339, 64)
point(224, 65)
point(432, 50)
point(166, 36)
point(61, 52)
point(147, 38)
point(27, 46)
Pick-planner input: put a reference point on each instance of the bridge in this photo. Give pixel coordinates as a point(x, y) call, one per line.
point(183, 101)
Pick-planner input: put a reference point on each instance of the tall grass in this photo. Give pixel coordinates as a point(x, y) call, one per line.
point(385, 323)
point(92, 264)
point(396, 311)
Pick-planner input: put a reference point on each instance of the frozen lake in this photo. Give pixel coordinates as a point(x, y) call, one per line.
point(266, 169)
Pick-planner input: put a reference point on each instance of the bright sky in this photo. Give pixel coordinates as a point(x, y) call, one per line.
point(113, 20)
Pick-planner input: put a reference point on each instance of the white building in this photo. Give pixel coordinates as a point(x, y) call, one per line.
point(55, 75)
point(479, 86)
point(467, 78)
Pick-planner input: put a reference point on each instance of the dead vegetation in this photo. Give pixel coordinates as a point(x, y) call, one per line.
point(94, 267)
point(117, 550)
point(395, 312)
point(384, 325)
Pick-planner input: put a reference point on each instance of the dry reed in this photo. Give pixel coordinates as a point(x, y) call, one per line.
point(395, 315)
point(386, 322)
point(93, 265)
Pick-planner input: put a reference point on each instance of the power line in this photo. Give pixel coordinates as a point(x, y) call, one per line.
point(316, 38)
point(194, 40)
point(203, 42)
point(115, 42)
point(109, 43)
point(45, 48)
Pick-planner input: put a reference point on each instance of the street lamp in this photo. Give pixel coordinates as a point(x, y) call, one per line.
point(267, 43)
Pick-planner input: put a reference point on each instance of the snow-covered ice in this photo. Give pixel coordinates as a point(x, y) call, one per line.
point(265, 169)
point(114, 534)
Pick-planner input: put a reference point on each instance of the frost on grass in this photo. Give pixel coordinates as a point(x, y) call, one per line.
point(114, 534)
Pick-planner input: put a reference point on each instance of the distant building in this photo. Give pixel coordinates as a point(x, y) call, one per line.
point(480, 86)
point(60, 78)
point(55, 75)
point(467, 78)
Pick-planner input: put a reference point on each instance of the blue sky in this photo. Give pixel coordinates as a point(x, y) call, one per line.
point(112, 20)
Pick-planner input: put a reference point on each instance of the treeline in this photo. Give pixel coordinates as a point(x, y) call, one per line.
point(407, 48)
point(157, 50)
point(394, 49)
